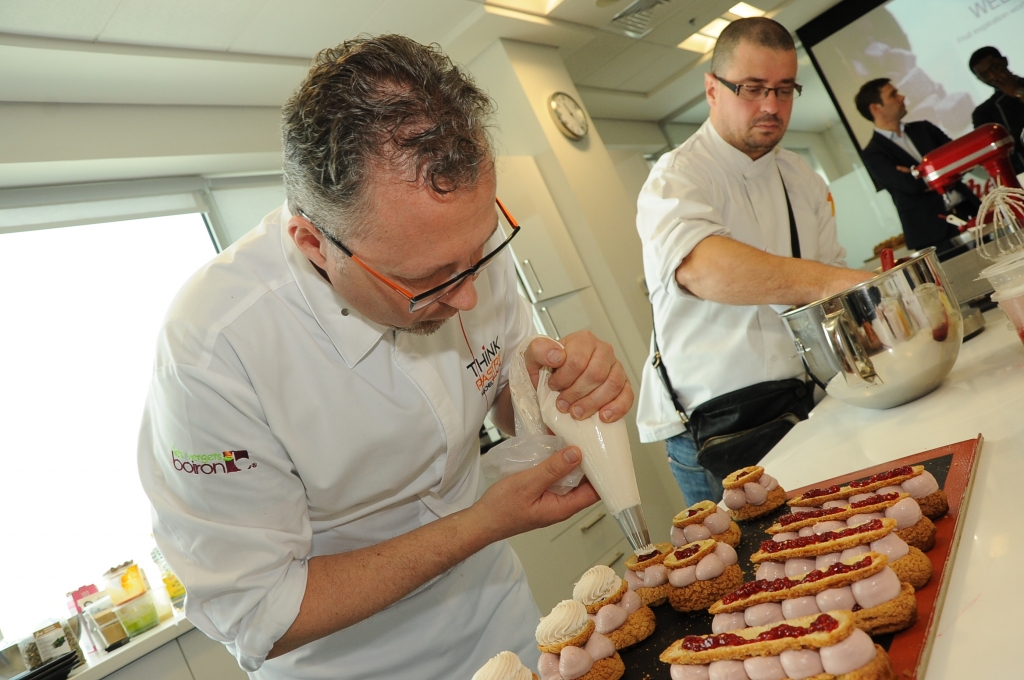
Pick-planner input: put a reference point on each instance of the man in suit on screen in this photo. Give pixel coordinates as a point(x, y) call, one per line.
point(895, 148)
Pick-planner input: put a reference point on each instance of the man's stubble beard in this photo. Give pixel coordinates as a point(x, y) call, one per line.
point(754, 142)
point(423, 327)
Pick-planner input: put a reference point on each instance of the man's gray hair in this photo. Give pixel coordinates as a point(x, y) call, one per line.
point(758, 31)
point(380, 103)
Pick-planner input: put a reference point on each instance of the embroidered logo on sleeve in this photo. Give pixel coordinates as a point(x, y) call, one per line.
point(487, 366)
point(211, 463)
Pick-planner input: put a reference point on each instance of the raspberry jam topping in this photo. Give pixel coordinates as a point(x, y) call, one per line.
point(691, 513)
point(648, 556)
point(764, 586)
point(815, 493)
point(686, 552)
point(786, 520)
point(874, 500)
point(836, 568)
point(695, 643)
point(883, 476)
point(771, 546)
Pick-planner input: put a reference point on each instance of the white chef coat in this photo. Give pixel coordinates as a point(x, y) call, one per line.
point(343, 434)
point(708, 187)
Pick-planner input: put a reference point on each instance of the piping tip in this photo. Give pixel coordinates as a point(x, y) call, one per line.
point(634, 525)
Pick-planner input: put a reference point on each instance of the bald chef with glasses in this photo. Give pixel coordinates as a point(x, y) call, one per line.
point(720, 247)
point(310, 442)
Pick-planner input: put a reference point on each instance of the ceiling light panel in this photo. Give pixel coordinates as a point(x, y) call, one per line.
point(745, 11)
point(715, 27)
point(701, 44)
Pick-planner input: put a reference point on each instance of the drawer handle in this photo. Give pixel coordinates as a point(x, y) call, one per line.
point(618, 556)
point(590, 525)
point(554, 328)
point(538, 289)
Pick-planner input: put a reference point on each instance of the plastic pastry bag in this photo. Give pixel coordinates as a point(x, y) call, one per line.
point(533, 444)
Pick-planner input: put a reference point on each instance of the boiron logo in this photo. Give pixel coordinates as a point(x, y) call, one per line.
point(211, 463)
point(487, 366)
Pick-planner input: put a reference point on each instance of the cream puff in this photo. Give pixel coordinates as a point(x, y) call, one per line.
point(616, 611)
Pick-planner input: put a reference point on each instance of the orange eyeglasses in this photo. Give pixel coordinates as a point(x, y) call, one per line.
point(418, 302)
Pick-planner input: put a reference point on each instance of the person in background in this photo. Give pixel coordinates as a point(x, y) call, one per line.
point(1006, 105)
point(895, 148)
point(310, 444)
point(718, 244)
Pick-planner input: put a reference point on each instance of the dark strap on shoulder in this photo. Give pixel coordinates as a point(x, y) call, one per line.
point(663, 372)
point(794, 237)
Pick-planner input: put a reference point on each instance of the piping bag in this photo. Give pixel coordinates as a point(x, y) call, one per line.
point(607, 459)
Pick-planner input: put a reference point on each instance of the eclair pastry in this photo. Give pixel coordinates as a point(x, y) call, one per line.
point(911, 524)
point(571, 649)
point(616, 611)
point(701, 521)
point(822, 647)
point(700, 573)
point(504, 666)
point(792, 556)
point(880, 602)
point(912, 479)
point(750, 493)
point(647, 575)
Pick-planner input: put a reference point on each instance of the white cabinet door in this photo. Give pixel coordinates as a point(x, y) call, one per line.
point(163, 663)
point(544, 252)
point(563, 315)
point(209, 660)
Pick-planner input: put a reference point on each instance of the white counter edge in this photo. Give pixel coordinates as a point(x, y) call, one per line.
point(100, 664)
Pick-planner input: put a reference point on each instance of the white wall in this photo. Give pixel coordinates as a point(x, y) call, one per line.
point(45, 144)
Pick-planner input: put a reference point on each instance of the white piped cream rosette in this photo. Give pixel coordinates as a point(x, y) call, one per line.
point(616, 611)
point(751, 493)
point(504, 666)
point(571, 649)
point(819, 646)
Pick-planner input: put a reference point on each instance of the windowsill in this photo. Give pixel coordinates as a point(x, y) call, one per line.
point(101, 664)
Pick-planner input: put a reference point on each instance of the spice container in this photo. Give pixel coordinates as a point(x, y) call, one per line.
point(124, 582)
point(175, 589)
point(137, 615)
point(104, 627)
point(53, 639)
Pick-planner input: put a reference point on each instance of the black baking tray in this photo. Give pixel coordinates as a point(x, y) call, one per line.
point(642, 661)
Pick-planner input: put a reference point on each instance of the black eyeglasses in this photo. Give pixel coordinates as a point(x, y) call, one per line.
point(418, 302)
point(750, 93)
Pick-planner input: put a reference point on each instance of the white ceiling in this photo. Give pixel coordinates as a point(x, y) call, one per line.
point(254, 52)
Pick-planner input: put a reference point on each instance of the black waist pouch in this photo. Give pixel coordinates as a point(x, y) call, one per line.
point(738, 429)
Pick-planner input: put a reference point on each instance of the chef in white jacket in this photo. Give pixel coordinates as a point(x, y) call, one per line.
point(310, 442)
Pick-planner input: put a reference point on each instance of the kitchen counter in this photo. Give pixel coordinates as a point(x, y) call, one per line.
point(977, 630)
point(101, 664)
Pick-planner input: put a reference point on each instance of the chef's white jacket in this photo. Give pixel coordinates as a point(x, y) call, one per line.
point(708, 187)
point(281, 424)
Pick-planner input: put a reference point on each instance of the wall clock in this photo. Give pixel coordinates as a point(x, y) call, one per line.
point(568, 115)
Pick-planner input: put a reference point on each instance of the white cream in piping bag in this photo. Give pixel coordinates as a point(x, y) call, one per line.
point(607, 459)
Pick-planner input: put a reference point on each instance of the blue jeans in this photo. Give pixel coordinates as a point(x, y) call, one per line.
point(696, 483)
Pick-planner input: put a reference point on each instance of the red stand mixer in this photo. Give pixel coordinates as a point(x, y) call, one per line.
point(989, 146)
point(1001, 214)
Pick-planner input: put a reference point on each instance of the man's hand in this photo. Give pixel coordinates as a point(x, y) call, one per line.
point(903, 168)
point(521, 502)
point(588, 376)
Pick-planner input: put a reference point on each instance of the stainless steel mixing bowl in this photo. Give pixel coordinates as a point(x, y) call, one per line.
point(886, 341)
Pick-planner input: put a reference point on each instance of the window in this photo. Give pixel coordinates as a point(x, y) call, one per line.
point(80, 309)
